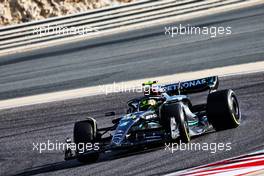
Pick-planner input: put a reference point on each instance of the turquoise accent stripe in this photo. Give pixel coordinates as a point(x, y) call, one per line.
point(192, 123)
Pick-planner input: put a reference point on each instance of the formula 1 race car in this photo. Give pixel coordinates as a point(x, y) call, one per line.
point(164, 113)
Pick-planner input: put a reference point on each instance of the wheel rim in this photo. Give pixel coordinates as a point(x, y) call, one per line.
point(173, 127)
point(235, 108)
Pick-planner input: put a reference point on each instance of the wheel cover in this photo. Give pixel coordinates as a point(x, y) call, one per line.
point(173, 128)
point(235, 109)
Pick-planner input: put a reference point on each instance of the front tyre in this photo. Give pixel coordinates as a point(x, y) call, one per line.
point(223, 110)
point(174, 119)
point(83, 133)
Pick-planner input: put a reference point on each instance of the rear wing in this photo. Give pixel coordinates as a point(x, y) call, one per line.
point(193, 86)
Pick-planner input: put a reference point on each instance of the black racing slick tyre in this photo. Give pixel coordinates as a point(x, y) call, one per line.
point(174, 119)
point(83, 133)
point(223, 110)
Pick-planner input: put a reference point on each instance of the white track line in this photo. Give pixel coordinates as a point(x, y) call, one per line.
point(97, 90)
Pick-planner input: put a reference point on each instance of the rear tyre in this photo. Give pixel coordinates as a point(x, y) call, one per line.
point(83, 134)
point(174, 119)
point(223, 110)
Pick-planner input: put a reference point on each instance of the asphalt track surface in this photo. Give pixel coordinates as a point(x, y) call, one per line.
point(21, 127)
point(134, 55)
point(131, 58)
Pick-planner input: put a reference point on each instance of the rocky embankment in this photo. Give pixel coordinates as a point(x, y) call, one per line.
point(19, 11)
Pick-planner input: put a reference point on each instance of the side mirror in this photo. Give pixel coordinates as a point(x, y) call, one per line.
point(107, 114)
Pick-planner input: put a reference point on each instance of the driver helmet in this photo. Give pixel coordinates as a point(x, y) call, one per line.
point(146, 104)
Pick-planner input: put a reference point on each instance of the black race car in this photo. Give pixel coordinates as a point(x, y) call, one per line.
point(164, 113)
